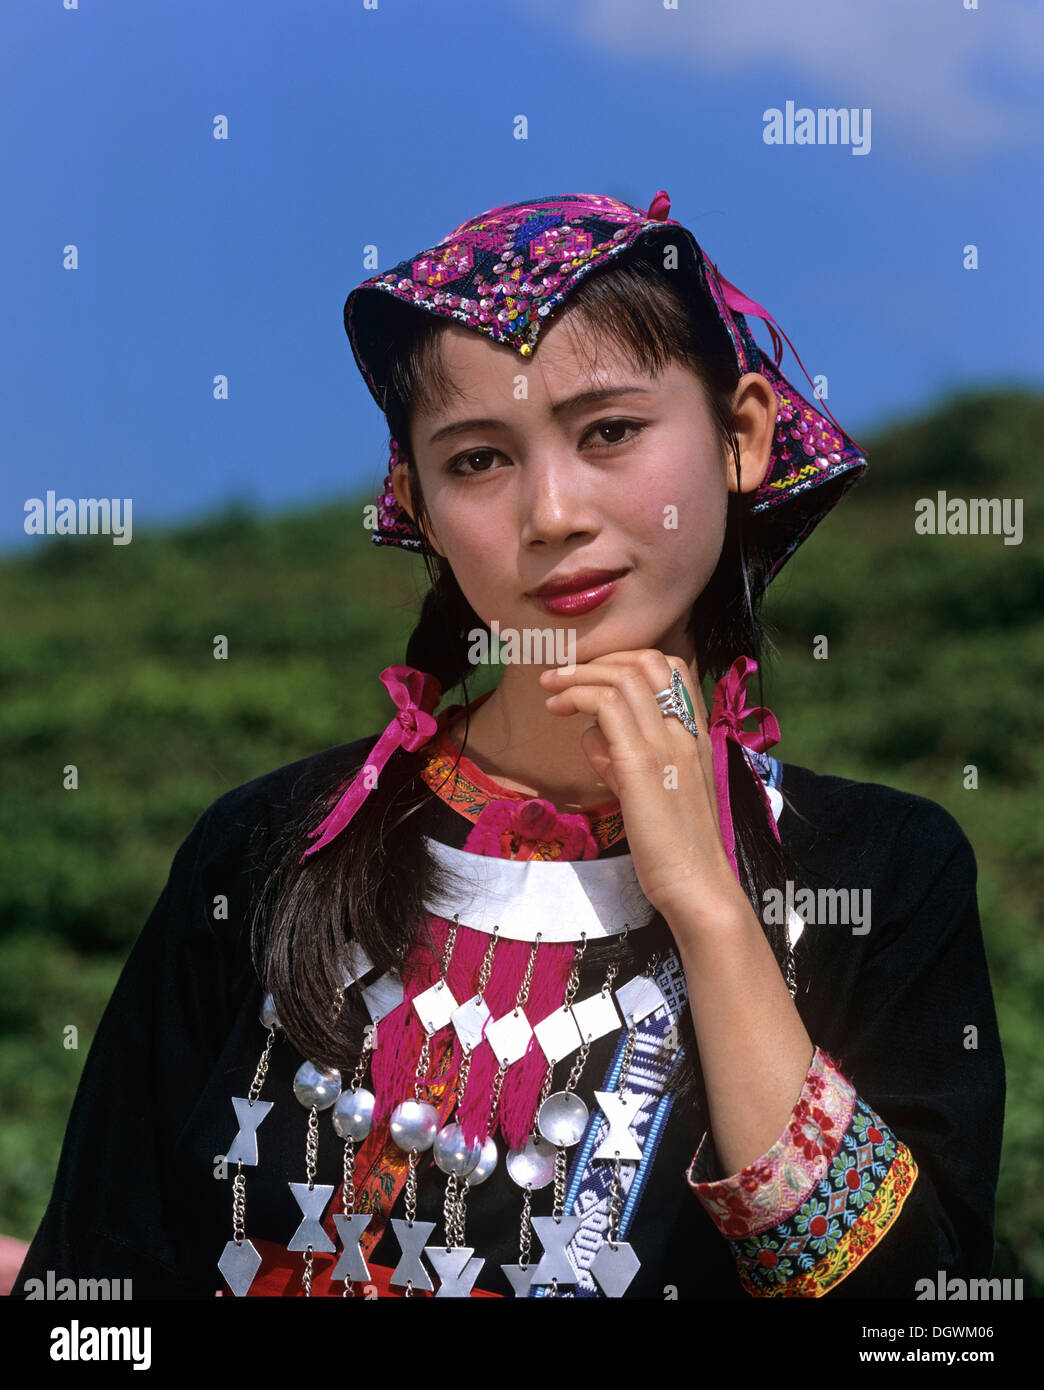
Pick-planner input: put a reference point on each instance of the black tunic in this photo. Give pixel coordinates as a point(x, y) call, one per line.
point(136, 1194)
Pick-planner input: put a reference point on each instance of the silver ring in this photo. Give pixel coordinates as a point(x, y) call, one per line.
point(676, 701)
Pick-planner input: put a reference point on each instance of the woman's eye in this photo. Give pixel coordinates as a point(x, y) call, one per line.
point(455, 465)
point(627, 427)
point(618, 425)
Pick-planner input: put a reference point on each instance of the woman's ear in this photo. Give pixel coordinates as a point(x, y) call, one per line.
point(754, 422)
point(401, 489)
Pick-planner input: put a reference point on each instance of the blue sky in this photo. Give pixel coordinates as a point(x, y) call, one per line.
point(391, 125)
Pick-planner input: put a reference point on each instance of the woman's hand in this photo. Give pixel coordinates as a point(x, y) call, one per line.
point(663, 777)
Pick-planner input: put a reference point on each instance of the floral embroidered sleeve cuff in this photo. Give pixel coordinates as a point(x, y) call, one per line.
point(805, 1214)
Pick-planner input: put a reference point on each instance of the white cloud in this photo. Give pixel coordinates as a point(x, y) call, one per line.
point(933, 73)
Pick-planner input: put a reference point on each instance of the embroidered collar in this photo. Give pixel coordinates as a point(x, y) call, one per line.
point(468, 790)
point(465, 788)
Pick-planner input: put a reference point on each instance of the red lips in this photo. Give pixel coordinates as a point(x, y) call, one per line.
point(575, 583)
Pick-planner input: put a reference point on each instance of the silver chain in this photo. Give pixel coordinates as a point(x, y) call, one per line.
point(311, 1158)
point(423, 1062)
point(525, 1240)
point(348, 1191)
point(498, 1082)
point(561, 1165)
point(616, 1187)
point(239, 1181)
point(447, 952)
point(449, 1215)
point(486, 968)
point(411, 1204)
point(561, 1157)
point(573, 983)
point(239, 1204)
point(522, 998)
point(262, 1069)
point(461, 1213)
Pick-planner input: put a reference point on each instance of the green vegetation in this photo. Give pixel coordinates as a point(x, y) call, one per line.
point(936, 647)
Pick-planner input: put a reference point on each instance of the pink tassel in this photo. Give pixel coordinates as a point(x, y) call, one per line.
point(523, 1080)
point(401, 1033)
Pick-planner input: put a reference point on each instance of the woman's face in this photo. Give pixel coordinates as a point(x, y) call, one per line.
point(528, 477)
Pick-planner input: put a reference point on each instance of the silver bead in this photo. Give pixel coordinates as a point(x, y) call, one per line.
point(414, 1125)
point(353, 1114)
point(452, 1154)
point(268, 1015)
point(562, 1119)
point(485, 1165)
point(316, 1086)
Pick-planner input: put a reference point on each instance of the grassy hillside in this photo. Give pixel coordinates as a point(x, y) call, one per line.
point(936, 657)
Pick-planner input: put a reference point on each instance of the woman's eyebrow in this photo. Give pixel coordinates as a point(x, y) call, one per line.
point(582, 398)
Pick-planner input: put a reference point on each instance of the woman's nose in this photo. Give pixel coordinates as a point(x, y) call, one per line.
point(556, 501)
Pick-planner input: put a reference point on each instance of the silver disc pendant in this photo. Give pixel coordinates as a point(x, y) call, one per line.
point(414, 1125)
point(353, 1114)
point(614, 1269)
point(533, 1165)
point(239, 1264)
point(452, 1154)
point(485, 1165)
point(562, 1119)
point(317, 1086)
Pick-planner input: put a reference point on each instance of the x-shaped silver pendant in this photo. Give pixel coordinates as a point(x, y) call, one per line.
point(244, 1145)
point(457, 1270)
point(519, 1278)
point(351, 1265)
point(410, 1270)
point(554, 1237)
point(312, 1202)
point(620, 1111)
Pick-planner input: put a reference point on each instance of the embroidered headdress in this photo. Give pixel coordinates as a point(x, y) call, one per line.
point(507, 271)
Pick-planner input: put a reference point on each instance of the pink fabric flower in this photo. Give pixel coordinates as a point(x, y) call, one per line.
point(508, 829)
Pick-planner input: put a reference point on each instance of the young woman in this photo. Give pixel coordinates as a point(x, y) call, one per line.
point(572, 990)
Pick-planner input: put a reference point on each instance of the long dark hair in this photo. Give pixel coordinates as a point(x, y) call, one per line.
point(372, 881)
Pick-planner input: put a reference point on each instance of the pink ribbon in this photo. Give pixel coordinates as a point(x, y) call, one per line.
point(726, 722)
point(416, 693)
point(740, 303)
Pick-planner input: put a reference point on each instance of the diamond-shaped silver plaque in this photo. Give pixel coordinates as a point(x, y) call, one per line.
point(639, 998)
point(596, 1016)
point(509, 1037)
point(435, 1006)
point(614, 1269)
point(239, 1264)
point(558, 1035)
point(383, 995)
point(469, 1020)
